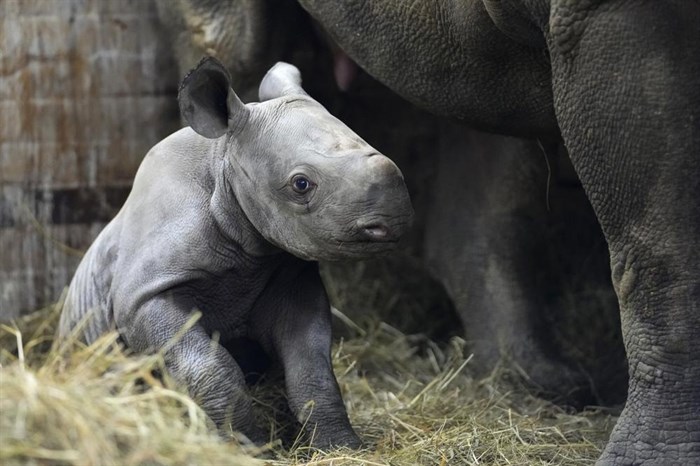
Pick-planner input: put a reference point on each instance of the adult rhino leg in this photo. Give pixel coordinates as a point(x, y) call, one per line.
point(627, 97)
point(247, 36)
point(492, 247)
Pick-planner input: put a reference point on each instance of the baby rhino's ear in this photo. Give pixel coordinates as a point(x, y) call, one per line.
point(281, 79)
point(207, 102)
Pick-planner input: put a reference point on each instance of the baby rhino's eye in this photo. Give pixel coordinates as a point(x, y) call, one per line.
point(301, 184)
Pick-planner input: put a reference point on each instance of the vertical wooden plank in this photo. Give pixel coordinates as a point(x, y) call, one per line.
point(86, 88)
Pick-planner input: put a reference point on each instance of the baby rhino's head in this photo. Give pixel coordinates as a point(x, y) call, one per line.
point(306, 181)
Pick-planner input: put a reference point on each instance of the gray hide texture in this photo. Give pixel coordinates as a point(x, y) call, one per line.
point(619, 82)
point(228, 217)
point(502, 222)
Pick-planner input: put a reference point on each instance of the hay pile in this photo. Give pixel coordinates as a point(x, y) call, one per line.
point(411, 401)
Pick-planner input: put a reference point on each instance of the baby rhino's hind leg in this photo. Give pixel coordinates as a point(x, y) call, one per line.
point(87, 308)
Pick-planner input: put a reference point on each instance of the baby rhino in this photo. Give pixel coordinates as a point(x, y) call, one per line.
point(227, 217)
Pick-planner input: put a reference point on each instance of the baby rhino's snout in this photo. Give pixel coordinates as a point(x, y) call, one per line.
point(392, 214)
point(381, 166)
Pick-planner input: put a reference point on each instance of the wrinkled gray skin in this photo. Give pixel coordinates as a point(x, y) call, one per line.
point(214, 223)
point(247, 36)
point(523, 260)
point(507, 228)
point(620, 81)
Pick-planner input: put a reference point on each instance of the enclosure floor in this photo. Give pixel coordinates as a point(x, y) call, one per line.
point(410, 400)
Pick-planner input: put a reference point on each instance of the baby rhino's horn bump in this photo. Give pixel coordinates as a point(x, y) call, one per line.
point(383, 166)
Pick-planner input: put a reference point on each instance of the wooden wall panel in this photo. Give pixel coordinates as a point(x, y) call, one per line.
point(86, 88)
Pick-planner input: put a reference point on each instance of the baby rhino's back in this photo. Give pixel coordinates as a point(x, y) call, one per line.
point(87, 308)
point(163, 190)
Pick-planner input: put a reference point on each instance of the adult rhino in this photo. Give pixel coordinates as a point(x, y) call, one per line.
point(619, 82)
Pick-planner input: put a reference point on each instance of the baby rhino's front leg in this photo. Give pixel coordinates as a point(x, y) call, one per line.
point(293, 322)
point(195, 361)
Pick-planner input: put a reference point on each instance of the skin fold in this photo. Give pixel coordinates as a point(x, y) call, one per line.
point(228, 218)
point(618, 80)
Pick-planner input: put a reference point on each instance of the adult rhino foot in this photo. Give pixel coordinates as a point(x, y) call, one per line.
point(555, 381)
point(648, 436)
point(542, 374)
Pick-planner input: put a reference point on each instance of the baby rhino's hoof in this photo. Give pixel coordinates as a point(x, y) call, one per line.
point(350, 440)
point(336, 440)
point(252, 436)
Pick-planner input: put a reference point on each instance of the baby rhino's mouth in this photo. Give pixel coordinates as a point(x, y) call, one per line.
point(377, 232)
point(381, 228)
point(369, 237)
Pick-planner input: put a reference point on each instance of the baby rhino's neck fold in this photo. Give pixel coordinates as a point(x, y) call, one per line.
point(231, 221)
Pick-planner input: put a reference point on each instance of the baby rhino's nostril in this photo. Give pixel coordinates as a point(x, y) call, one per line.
point(376, 232)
